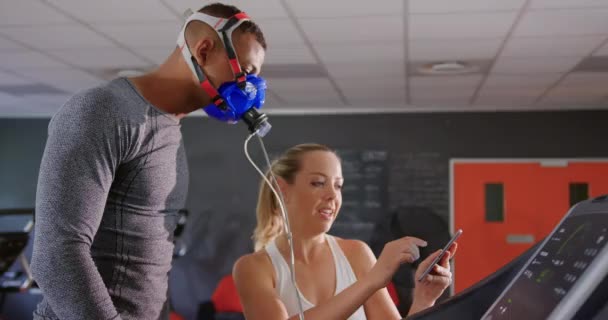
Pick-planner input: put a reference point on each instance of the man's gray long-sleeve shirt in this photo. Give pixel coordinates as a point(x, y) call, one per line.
point(112, 179)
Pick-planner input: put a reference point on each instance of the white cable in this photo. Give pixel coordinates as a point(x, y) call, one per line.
point(279, 197)
point(28, 272)
point(288, 226)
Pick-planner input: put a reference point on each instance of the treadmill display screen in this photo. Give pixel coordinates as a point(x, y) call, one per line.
point(554, 270)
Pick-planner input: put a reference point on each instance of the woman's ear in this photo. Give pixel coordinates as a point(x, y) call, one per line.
point(283, 188)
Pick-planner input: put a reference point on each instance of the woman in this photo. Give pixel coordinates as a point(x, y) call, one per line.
point(336, 278)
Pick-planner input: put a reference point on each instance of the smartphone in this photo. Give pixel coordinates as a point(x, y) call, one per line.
point(438, 258)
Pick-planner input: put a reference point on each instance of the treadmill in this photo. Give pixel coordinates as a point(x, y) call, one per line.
point(15, 228)
point(562, 277)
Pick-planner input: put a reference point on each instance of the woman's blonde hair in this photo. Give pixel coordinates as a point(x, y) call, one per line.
point(269, 218)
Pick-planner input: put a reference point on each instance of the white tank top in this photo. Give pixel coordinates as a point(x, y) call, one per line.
point(287, 293)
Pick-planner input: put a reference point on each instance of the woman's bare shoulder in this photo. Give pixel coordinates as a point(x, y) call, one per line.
point(352, 246)
point(358, 253)
point(257, 263)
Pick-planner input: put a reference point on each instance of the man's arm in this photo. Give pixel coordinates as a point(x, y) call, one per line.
point(76, 173)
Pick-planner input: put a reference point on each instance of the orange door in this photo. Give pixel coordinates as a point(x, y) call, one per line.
point(504, 208)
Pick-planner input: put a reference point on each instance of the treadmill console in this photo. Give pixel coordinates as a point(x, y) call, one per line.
point(560, 276)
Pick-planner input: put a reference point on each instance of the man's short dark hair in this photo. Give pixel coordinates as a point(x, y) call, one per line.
point(226, 11)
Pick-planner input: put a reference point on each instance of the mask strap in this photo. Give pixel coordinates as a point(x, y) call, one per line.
point(224, 28)
point(225, 32)
point(206, 85)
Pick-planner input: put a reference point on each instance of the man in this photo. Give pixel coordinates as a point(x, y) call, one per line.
point(114, 175)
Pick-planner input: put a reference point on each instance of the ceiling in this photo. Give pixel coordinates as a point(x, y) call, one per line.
point(337, 56)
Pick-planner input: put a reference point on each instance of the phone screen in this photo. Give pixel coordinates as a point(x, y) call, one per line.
point(438, 258)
